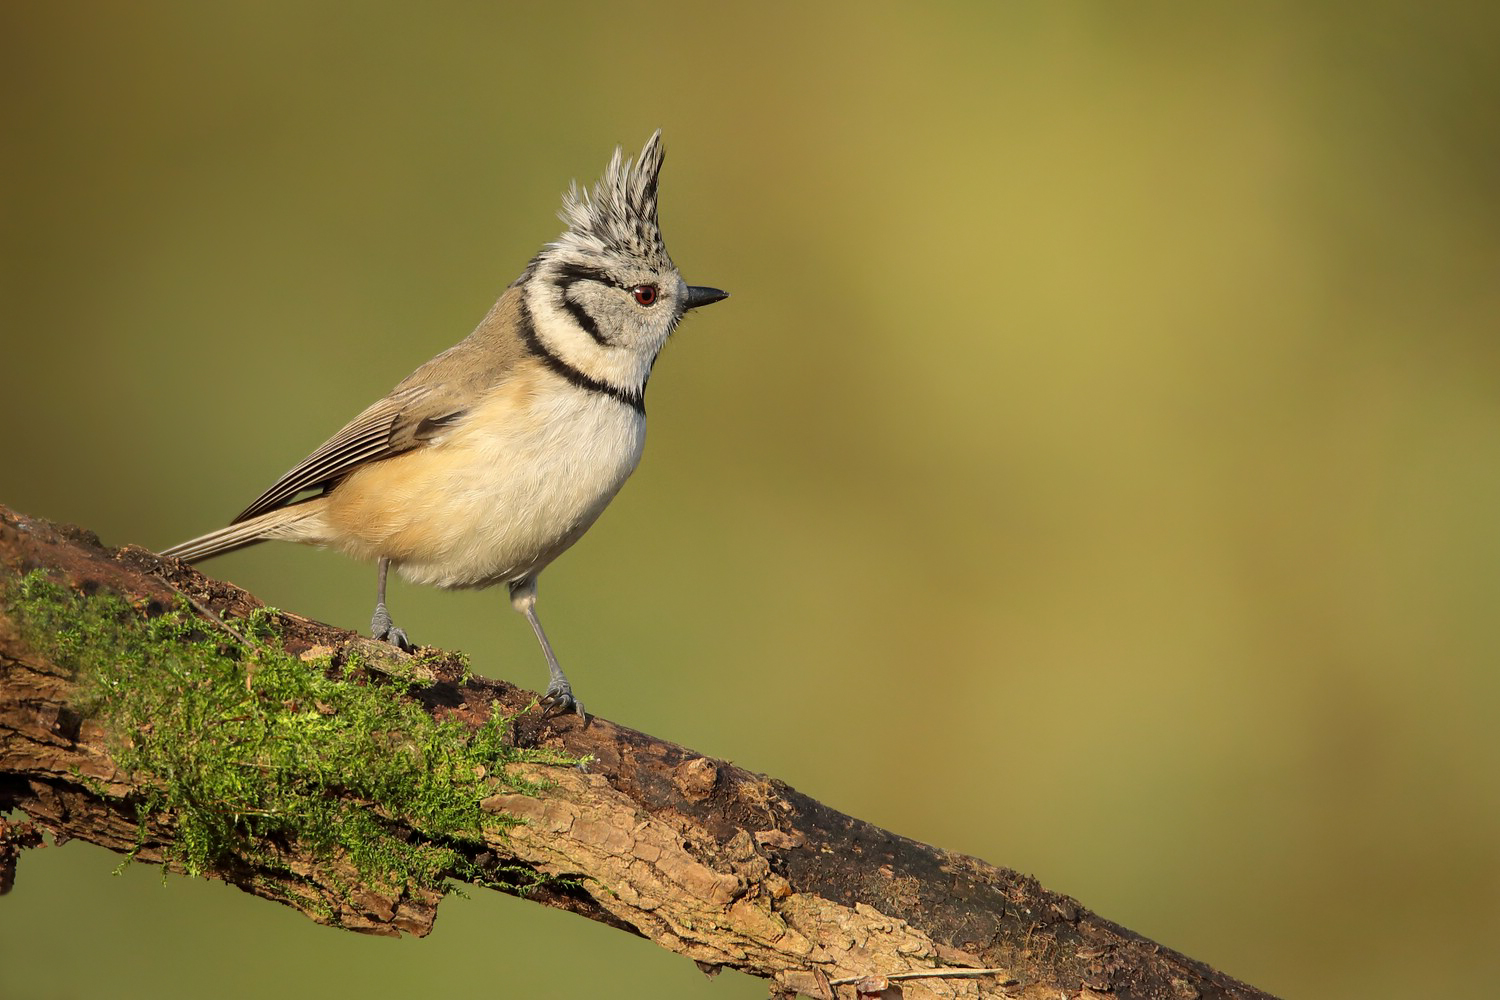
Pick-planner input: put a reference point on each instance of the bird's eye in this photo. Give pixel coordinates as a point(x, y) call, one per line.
point(644, 294)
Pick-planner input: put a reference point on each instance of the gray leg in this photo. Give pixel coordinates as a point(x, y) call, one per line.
point(559, 697)
point(381, 626)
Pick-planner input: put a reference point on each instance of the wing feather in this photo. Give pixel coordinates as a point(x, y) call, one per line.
point(369, 437)
point(416, 414)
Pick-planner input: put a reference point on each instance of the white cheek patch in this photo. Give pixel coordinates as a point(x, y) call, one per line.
point(608, 357)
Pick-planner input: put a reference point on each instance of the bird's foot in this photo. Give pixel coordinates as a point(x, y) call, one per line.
point(382, 628)
point(559, 700)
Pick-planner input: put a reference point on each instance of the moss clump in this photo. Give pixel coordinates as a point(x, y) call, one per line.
point(253, 749)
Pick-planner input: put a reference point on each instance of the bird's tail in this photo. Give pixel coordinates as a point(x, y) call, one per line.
point(283, 523)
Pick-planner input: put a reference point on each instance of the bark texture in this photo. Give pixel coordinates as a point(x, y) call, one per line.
point(716, 863)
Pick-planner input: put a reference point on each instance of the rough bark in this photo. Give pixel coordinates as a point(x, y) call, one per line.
point(716, 863)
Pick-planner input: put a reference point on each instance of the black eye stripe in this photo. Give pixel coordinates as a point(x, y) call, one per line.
point(567, 276)
point(569, 273)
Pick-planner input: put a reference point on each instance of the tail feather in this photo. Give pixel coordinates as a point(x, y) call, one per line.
point(273, 524)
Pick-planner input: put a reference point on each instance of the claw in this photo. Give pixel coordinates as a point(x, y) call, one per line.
point(560, 701)
point(381, 627)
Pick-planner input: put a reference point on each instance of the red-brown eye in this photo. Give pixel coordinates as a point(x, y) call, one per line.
point(644, 294)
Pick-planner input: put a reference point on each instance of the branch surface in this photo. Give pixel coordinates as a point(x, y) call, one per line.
point(719, 864)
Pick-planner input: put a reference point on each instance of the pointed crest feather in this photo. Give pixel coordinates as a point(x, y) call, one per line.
point(619, 214)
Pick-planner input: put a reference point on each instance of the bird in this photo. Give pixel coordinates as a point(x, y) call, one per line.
point(489, 461)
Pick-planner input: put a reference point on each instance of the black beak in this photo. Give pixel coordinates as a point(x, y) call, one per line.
point(698, 295)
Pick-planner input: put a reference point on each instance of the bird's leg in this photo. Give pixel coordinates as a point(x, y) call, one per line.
point(559, 697)
point(381, 626)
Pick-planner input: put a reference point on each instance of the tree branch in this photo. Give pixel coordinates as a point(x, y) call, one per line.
point(721, 865)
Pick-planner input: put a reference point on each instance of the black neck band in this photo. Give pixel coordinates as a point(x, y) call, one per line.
point(633, 398)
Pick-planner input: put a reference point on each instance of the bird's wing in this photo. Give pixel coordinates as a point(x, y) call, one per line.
point(407, 418)
point(427, 401)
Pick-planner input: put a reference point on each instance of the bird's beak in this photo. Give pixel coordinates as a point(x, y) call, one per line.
point(698, 295)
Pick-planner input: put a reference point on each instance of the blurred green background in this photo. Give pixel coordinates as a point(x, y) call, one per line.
point(1094, 471)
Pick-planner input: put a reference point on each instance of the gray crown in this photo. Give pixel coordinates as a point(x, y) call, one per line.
point(619, 215)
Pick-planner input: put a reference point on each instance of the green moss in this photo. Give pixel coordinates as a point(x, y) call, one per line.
point(252, 750)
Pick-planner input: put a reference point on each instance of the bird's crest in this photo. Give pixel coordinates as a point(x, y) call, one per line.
point(618, 216)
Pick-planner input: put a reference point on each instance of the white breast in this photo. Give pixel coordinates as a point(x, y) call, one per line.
point(521, 483)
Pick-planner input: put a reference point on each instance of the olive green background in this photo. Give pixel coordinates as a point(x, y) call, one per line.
point(1094, 471)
